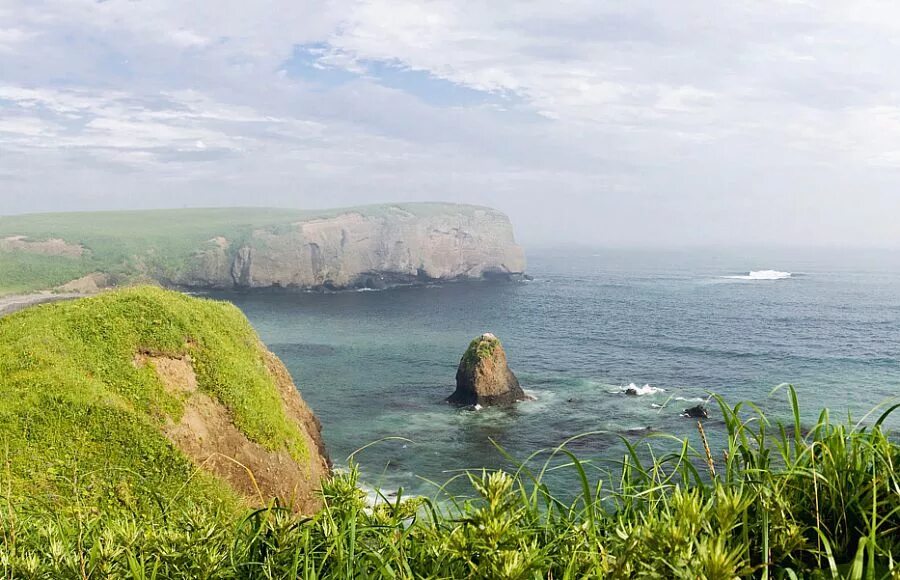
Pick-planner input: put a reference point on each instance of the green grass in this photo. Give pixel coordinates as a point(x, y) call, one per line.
point(21, 272)
point(158, 243)
point(80, 423)
point(479, 349)
point(777, 503)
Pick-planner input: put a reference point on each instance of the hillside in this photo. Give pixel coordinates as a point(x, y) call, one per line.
point(129, 402)
point(375, 245)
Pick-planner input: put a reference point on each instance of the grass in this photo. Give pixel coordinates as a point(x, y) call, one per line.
point(22, 273)
point(779, 502)
point(158, 243)
point(80, 423)
point(480, 349)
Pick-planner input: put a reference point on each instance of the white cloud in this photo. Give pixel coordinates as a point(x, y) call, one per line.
point(639, 108)
point(10, 38)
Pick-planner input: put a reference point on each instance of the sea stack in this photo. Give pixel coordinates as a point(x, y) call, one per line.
point(483, 377)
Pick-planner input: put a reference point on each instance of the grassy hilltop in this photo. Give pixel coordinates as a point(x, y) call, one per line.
point(84, 408)
point(127, 244)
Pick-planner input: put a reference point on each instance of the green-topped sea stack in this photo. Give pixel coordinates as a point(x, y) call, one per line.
point(483, 377)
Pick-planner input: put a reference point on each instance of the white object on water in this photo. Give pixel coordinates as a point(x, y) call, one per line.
point(762, 275)
point(477, 407)
point(640, 391)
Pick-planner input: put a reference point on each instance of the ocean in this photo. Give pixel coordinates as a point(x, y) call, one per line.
point(677, 325)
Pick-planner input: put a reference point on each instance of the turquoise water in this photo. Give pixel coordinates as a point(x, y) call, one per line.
point(380, 364)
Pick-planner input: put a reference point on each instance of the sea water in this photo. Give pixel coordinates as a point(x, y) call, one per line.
point(677, 326)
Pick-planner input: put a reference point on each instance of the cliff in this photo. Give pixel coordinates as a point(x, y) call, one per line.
point(362, 249)
point(371, 246)
point(146, 397)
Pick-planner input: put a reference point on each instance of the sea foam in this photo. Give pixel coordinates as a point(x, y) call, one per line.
point(640, 391)
point(762, 275)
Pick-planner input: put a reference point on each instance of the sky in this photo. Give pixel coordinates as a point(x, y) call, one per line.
point(648, 123)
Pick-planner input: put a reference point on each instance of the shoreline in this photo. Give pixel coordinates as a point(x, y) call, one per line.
point(16, 302)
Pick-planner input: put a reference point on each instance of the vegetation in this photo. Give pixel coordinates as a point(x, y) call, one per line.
point(81, 423)
point(129, 244)
point(21, 272)
point(479, 349)
point(89, 489)
point(780, 504)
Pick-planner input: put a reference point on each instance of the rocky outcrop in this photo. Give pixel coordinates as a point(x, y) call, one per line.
point(484, 377)
point(90, 284)
point(206, 433)
point(372, 248)
point(696, 412)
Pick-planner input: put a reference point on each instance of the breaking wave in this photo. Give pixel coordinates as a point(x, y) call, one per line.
point(633, 389)
point(761, 275)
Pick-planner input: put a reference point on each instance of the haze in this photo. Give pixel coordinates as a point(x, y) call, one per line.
point(617, 123)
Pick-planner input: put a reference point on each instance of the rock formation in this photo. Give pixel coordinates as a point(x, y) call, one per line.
point(206, 433)
point(483, 377)
point(372, 248)
point(697, 412)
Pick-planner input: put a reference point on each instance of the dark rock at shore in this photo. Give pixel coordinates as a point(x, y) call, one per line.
point(483, 376)
point(697, 412)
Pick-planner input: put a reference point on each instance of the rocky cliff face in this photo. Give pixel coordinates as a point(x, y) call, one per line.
point(356, 249)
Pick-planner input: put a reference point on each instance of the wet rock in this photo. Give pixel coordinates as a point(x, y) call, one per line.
point(697, 412)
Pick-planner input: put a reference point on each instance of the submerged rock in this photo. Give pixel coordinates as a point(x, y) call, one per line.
point(697, 412)
point(483, 377)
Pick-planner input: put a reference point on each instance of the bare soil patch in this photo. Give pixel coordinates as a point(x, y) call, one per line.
point(206, 433)
point(90, 284)
point(51, 247)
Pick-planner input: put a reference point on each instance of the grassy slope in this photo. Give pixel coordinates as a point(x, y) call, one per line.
point(124, 242)
point(80, 423)
point(22, 272)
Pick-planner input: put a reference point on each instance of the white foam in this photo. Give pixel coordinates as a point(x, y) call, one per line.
point(641, 391)
point(762, 275)
point(692, 399)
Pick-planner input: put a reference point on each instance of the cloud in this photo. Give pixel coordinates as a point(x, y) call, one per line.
point(685, 122)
